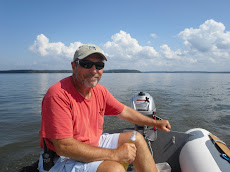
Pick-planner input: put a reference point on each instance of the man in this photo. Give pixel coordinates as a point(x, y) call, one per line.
point(72, 121)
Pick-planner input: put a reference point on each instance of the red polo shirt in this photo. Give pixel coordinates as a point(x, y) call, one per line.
point(65, 113)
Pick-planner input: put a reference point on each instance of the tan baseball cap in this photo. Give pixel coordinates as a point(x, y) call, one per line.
point(87, 49)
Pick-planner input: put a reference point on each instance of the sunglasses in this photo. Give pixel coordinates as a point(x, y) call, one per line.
point(87, 64)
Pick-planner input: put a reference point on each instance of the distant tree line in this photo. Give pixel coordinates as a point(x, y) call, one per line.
point(68, 71)
point(106, 71)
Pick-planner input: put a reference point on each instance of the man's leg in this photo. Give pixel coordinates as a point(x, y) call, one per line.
point(144, 161)
point(110, 166)
point(110, 141)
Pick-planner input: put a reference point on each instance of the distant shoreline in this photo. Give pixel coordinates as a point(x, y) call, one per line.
point(105, 71)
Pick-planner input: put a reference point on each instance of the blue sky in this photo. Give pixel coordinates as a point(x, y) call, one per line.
point(153, 35)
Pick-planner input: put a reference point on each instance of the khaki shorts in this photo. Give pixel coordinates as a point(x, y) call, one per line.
point(63, 164)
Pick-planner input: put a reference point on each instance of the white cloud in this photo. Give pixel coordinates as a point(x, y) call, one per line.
point(43, 47)
point(168, 53)
point(212, 60)
point(124, 50)
point(209, 44)
point(123, 46)
point(209, 40)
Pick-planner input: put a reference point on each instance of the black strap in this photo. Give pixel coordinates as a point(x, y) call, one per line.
point(45, 147)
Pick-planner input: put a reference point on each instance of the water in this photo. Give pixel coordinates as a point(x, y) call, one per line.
point(186, 100)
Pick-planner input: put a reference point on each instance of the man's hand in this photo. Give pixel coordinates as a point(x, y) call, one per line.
point(126, 153)
point(135, 117)
point(163, 125)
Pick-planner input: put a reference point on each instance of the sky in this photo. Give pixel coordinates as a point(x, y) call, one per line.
point(147, 35)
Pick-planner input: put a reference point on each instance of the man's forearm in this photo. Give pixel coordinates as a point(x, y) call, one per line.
point(132, 116)
point(79, 151)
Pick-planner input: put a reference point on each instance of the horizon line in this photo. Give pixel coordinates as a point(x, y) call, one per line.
point(108, 70)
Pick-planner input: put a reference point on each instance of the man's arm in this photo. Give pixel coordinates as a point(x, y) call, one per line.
point(133, 116)
point(83, 152)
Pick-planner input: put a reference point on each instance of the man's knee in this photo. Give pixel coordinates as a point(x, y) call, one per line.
point(140, 139)
point(110, 166)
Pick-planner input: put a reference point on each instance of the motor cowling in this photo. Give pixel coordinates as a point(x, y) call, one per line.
point(143, 102)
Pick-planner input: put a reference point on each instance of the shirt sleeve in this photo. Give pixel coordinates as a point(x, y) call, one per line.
point(56, 118)
point(113, 106)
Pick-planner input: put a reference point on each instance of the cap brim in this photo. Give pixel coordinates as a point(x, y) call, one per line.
point(86, 55)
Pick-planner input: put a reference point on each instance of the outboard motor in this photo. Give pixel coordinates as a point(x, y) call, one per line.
point(143, 103)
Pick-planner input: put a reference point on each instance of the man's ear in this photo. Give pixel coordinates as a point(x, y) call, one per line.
point(73, 66)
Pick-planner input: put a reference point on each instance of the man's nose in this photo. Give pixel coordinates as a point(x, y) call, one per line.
point(93, 69)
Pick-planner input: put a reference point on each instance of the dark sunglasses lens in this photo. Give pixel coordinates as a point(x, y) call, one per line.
point(88, 64)
point(99, 65)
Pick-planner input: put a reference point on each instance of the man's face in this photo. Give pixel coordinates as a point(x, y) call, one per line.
point(88, 77)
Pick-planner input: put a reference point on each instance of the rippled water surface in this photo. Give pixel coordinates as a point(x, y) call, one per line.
point(187, 100)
